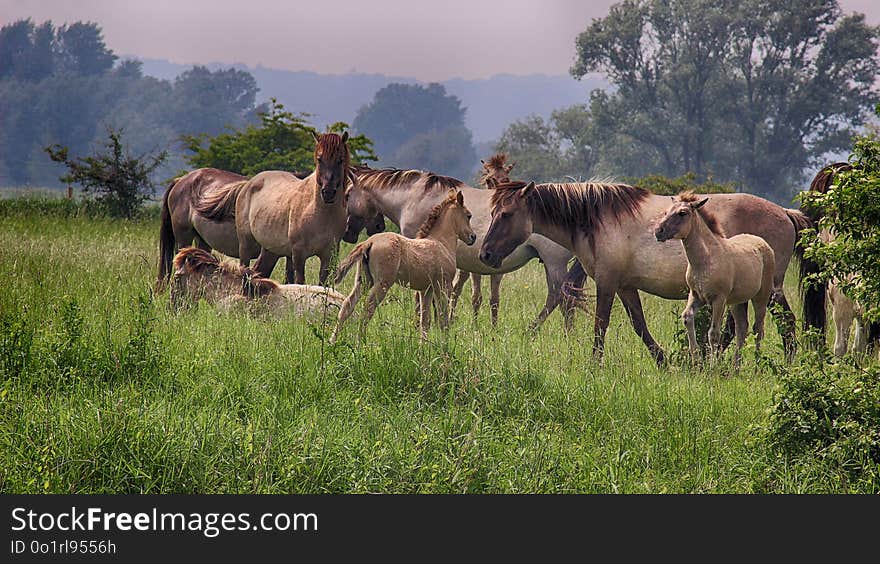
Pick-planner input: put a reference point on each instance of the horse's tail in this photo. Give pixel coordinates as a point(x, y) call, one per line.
point(167, 242)
point(573, 286)
point(360, 254)
point(813, 293)
point(219, 205)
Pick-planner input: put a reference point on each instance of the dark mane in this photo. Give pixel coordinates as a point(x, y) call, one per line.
point(494, 165)
point(708, 218)
point(333, 147)
point(498, 160)
point(823, 179)
point(219, 204)
point(577, 206)
point(435, 214)
point(386, 178)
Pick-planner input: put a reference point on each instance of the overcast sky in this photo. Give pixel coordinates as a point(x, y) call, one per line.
point(428, 40)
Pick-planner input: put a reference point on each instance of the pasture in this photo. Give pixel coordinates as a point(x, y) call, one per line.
point(105, 390)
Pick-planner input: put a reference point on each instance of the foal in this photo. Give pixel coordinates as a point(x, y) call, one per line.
point(720, 271)
point(425, 264)
point(200, 275)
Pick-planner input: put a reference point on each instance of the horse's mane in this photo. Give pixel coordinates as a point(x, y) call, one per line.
point(576, 206)
point(709, 218)
point(219, 204)
point(332, 145)
point(385, 178)
point(199, 261)
point(823, 179)
point(435, 214)
point(495, 163)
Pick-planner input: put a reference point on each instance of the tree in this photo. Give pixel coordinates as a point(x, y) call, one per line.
point(399, 112)
point(122, 182)
point(554, 150)
point(449, 150)
point(282, 141)
point(81, 49)
point(851, 210)
point(208, 102)
point(747, 91)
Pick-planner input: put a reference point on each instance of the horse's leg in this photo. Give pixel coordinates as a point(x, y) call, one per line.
point(201, 243)
point(348, 305)
point(461, 278)
point(758, 327)
point(324, 271)
point(633, 306)
point(295, 270)
point(843, 318)
point(554, 278)
point(784, 318)
point(741, 326)
point(495, 296)
point(266, 263)
point(442, 294)
point(715, 327)
point(860, 341)
point(604, 301)
point(477, 295)
point(425, 317)
point(687, 317)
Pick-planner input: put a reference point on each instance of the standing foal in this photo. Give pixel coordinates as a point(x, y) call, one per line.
point(720, 271)
point(425, 264)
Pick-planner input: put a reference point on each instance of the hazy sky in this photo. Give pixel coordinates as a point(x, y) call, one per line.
point(429, 40)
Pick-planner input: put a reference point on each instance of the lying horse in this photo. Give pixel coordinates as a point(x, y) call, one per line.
point(200, 275)
point(609, 227)
point(426, 264)
point(721, 272)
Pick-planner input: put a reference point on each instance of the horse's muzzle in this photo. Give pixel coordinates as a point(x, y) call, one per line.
point(490, 259)
point(328, 195)
point(660, 235)
point(472, 240)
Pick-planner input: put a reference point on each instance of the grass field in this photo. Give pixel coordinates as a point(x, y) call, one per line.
point(106, 390)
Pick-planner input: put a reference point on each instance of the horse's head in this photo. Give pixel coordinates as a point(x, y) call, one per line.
point(331, 165)
point(678, 219)
point(511, 222)
point(461, 220)
point(362, 213)
point(496, 171)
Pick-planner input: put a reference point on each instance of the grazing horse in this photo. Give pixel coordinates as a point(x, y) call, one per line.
point(843, 309)
point(200, 275)
point(406, 197)
point(278, 214)
point(609, 227)
point(496, 171)
point(720, 272)
point(425, 264)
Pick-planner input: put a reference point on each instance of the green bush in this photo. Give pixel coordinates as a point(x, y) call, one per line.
point(830, 412)
point(666, 186)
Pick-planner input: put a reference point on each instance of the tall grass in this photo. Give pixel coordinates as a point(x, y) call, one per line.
point(106, 390)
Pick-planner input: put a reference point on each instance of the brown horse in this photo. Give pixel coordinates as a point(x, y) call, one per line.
point(721, 272)
point(609, 227)
point(278, 214)
point(200, 275)
point(496, 171)
point(426, 264)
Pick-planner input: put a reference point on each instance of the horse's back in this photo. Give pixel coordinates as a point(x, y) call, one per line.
point(755, 260)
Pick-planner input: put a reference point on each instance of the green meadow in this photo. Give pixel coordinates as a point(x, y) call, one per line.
point(106, 390)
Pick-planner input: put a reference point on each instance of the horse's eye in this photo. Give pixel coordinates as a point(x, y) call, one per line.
point(469, 216)
point(682, 212)
point(505, 214)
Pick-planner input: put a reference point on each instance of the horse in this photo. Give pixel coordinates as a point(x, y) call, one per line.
point(609, 228)
point(406, 197)
point(720, 272)
point(425, 264)
point(817, 294)
point(495, 172)
point(200, 275)
point(278, 214)
point(200, 206)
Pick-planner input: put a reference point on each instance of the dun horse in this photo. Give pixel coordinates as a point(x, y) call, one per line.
point(496, 171)
point(277, 214)
point(425, 264)
point(609, 227)
point(200, 275)
point(721, 272)
point(844, 311)
point(406, 197)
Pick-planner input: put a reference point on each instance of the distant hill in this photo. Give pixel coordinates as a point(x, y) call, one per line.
point(492, 103)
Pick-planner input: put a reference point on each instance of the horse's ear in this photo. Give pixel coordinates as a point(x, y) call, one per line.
point(509, 167)
point(482, 162)
point(459, 198)
point(316, 136)
point(345, 137)
point(525, 191)
point(701, 203)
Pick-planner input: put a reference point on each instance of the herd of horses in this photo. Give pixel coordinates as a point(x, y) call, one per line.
point(734, 248)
